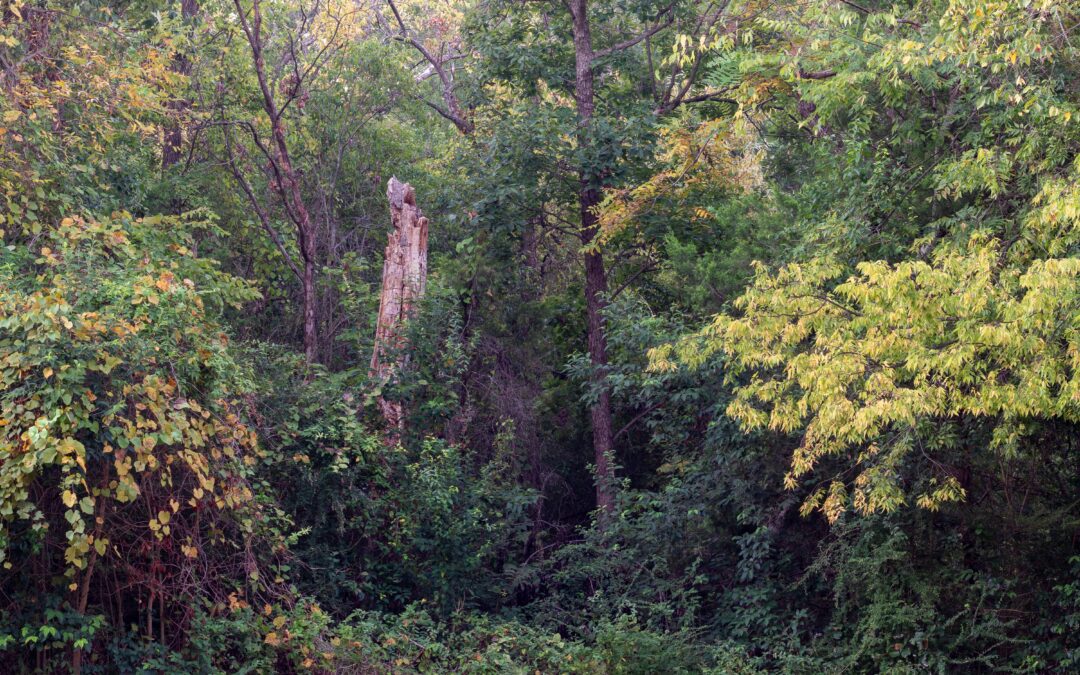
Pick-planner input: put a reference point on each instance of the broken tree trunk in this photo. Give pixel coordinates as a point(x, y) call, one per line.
point(404, 279)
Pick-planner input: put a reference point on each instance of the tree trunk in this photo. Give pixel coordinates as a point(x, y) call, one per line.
point(595, 289)
point(595, 276)
point(174, 140)
point(289, 187)
point(286, 180)
point(311, 335)
point(404, 280)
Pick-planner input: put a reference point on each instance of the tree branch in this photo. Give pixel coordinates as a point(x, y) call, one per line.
point(816, 74)
point(866, 11)
point(638, 417)
point(452, 110)
point(264, 219)
point(647, 33)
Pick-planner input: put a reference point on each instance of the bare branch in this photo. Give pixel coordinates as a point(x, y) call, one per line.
point(864, 10)
point(264, 218)
point(714, 96)
point(451, 109)
point(816, 74)
point(644, 35)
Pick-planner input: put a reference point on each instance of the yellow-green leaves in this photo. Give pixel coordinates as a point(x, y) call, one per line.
point(964, 308)
point(856, 366)
point(103, 397)
point(160, 524)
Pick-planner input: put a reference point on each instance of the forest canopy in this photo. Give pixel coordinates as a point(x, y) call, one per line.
point(516, 336)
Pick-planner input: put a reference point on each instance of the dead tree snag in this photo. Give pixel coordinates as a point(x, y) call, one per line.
point(404, 279)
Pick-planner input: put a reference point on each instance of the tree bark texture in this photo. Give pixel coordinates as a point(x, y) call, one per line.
point(404, 280)
point(174, 138)
point(595, 275)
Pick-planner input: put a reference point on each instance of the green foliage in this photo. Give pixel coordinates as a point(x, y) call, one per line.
point(382, 526)
point(39, 629)
point(977, 323)
point(871, 357)
point(841, 244)
point(1059, 646)
point(115, 380)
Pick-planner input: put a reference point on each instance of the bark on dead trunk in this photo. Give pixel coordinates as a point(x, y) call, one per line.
point(404, 280)
point(595, 275)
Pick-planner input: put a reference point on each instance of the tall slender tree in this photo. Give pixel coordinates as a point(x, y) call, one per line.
point(181, 65)
point(606, 141)
point(303, 41)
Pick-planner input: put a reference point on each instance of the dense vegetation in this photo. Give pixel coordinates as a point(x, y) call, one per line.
point(750, 340)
